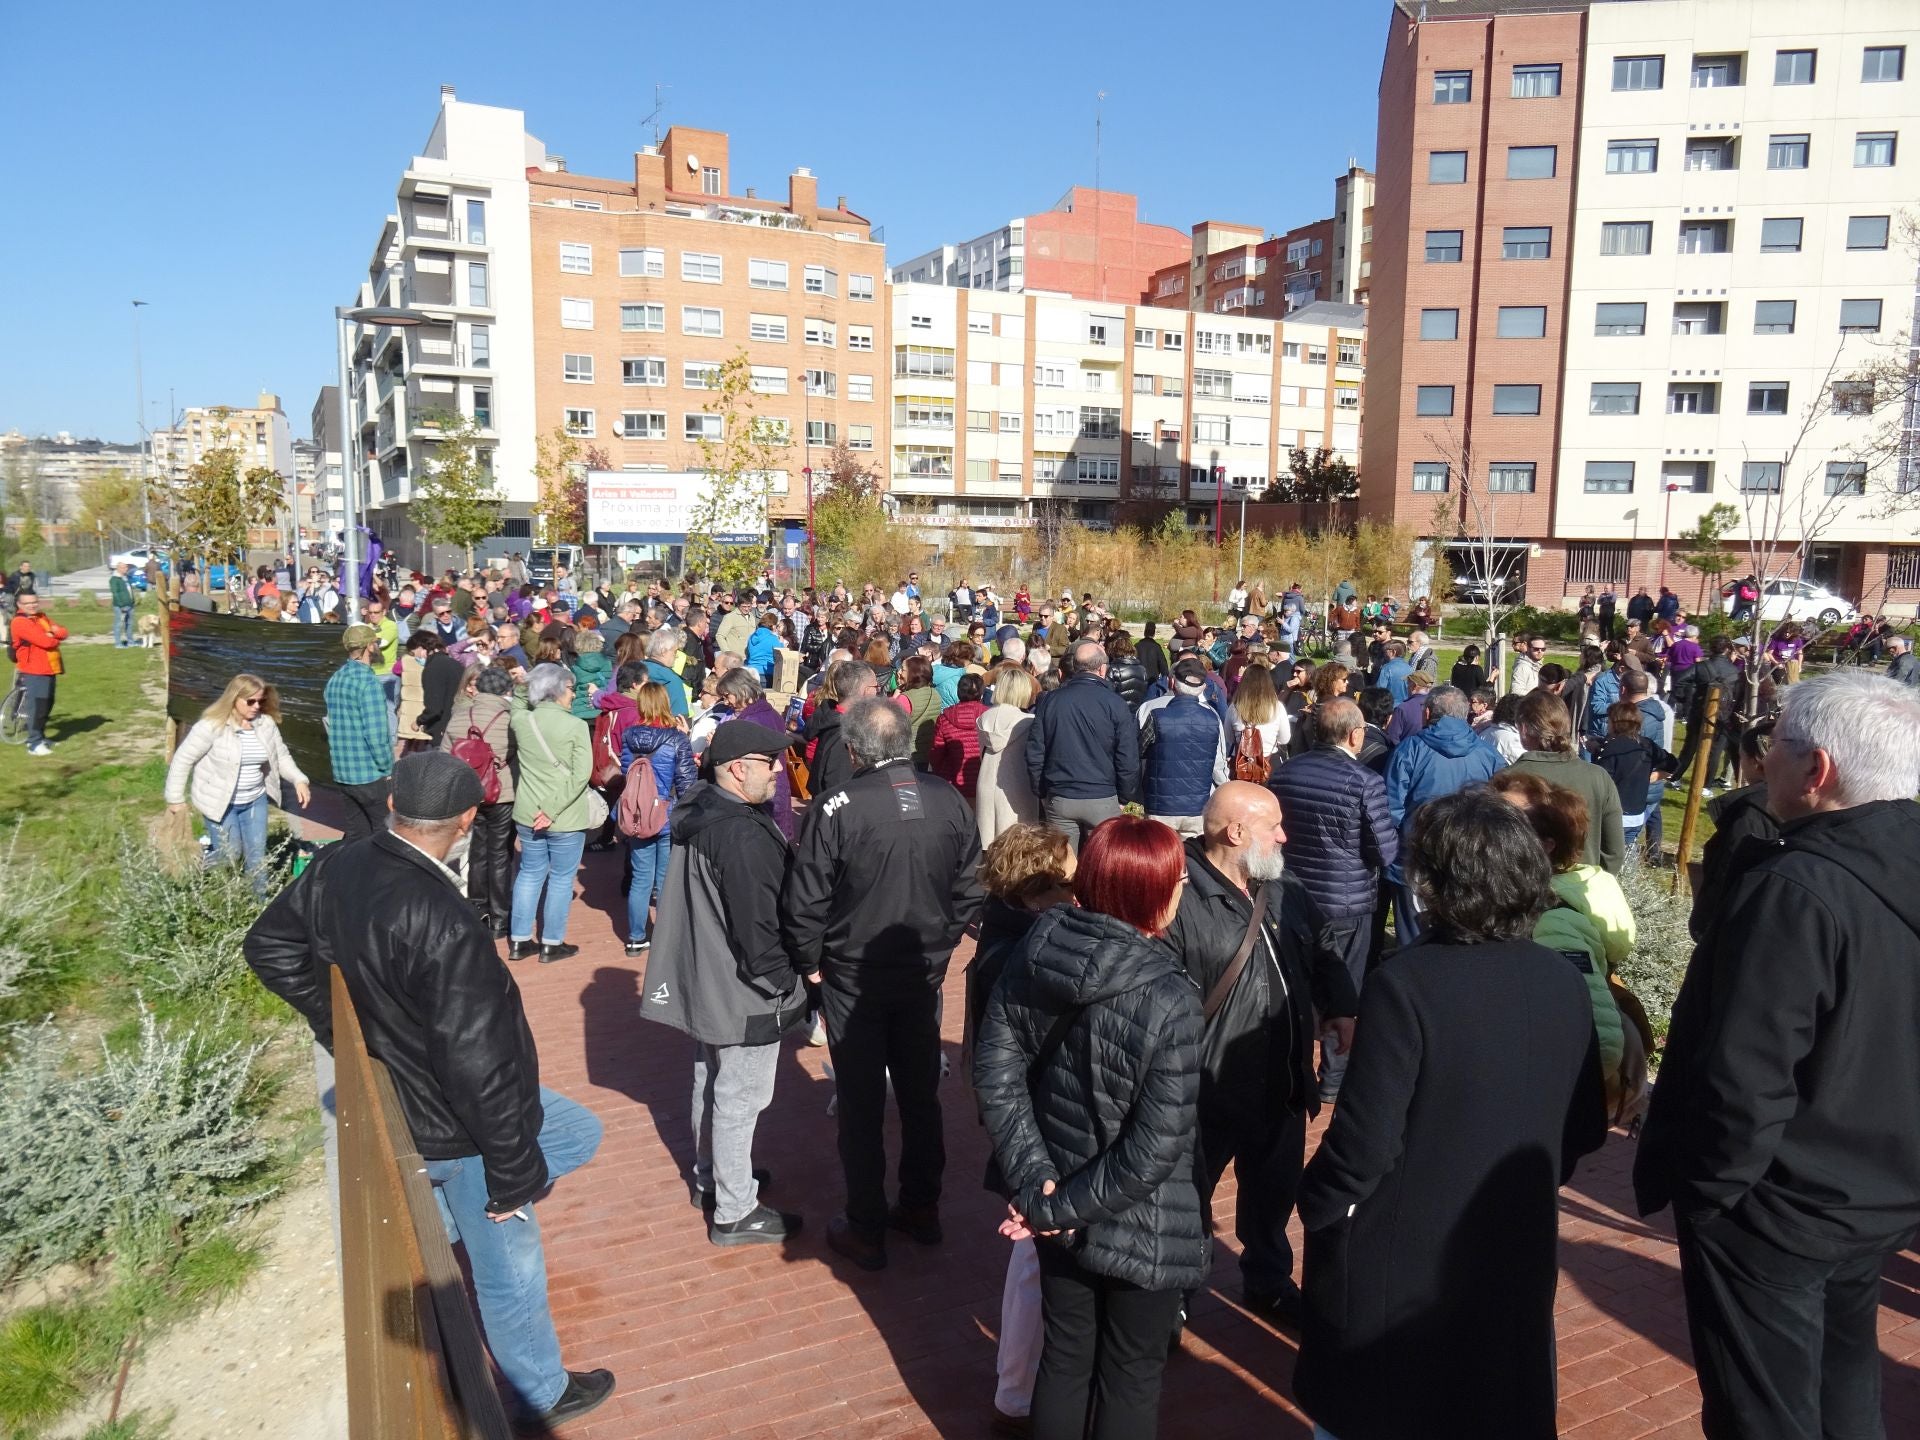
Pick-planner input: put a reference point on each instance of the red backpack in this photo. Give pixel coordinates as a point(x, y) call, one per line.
point(642, 814)
point(478, 756)
point(606, 748)
point(1250, 761)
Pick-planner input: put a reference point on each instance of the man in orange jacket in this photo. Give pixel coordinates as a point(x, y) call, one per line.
point(35, 642)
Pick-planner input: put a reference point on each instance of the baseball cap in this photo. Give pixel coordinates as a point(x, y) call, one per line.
point(358, 637)
point(738, 738)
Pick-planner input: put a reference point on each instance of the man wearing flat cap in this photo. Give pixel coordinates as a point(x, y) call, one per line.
point(439, 1007)
point(360, 733)
point(721, 973)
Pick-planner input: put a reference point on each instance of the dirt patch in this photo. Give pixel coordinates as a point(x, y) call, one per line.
point(140, 733)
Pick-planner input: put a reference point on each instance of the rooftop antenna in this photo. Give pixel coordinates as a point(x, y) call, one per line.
point(659, 109)
point(1099, 106)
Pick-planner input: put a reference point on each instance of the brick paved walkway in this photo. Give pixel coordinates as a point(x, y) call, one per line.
point(765, 1344)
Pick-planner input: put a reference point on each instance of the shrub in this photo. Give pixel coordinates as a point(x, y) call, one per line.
point(182, 928)
point(1663, 946)
point(33, 910)
point(1562, 626)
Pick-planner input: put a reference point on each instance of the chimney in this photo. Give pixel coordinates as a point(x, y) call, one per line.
point(649, 174)
point(840, 202)
point(446, 93)
point(803, 197)
point(554, 164)
point(752, 194)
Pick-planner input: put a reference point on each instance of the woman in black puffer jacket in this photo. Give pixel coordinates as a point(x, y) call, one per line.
point(1088, 1075)
point(1125, 672)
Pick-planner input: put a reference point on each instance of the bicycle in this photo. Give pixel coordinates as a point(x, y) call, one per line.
point(13, 714)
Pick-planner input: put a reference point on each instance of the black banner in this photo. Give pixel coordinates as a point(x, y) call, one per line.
point(207, 650)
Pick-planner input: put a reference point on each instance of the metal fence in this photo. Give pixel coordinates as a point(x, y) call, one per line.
point(416, 1368)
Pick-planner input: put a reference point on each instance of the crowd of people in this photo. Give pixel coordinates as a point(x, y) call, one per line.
point(1215, 887)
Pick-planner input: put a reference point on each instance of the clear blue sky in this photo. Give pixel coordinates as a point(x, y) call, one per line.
point(230, 164)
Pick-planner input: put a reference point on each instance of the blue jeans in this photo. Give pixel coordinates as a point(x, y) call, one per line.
point(1652, 823)
point(241, 834)
point(509, 1266)
point(122, 622)
point(548, 859)
point(647, 869)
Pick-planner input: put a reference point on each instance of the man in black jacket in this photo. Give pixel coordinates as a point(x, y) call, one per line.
point(438, 1006)
point(1257, 1087)
point(884, 882)
point(1785, 1130)
point(831, 766)
point(1719, 670)
point(1083, 748)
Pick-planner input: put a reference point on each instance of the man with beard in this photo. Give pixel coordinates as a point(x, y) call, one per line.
point(1253, 941)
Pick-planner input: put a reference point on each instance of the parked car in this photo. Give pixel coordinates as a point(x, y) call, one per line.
point(1479, 589)
point(1785, 599)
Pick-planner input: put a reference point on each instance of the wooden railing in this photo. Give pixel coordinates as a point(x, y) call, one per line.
point(416, 1367)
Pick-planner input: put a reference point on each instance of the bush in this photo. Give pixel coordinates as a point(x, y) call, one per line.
point(1663, 946)
point(158, 1134)
point(1562, 626)
point(182, 928)
point(33, 912)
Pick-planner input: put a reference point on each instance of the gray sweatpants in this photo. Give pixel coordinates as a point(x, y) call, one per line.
point(732, 1084)
point(1075, 819)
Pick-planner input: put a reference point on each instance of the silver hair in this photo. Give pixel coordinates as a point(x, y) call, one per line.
point(1013, 649)
point(739, 687)
point(1088, 656)
point(1868, 725)
point(662, 643)
point(877, 730)
point(547, 682)
point(426, 829)
point(1446, 700)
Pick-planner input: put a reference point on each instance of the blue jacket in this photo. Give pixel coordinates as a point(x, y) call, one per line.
point(762, 646)
point(1182, 755)
point(676, 687)
point(1217, 700)
point(669, 751)
point(1084, 743)
point(1445, 757)
point(1339, 834)
point(1394, 675)
point(1604, 691)
point(946, 682)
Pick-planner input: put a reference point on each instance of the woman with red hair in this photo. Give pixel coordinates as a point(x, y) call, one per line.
point(1088, 1074)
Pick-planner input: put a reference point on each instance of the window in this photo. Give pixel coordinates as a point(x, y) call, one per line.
point(1882, 64)
point(1706, 237)
point(1050, 377)
point(1210, 430)
point(1639, 72)
point(859, 437)
point(1626, 237)
point(1866, 232)
point(1429, 476)
point(771, 328)
point(1510, 477)
point(1522, 322)
point(1718, 153)
point(1443, 247)
point(859, 337)
point(648, 263)
point(1633, 157)
point(1761, 477)
point(1009, 424)
point(643, 370)
point(699, 320)
point(1716, 72)
point(578, 423)
point(643, 424)
point(1526, 242)
point(576, 369)
point(820, 332)
point(1614, 397)
point(1452, 87)
point(1097, 467)
point(1099, 422)
point(860, 287)
point(1447, 167)
point(703, 269)
point(700, 375)
point(575, 259)
point(1693, 399)
point(480, 344)
point(576, 314)
point(696, 426)
point(1432, 400)
point(1859, 317)
point(1853, 397)
point(919, 322)
point(768, 380)
point(1767, 397)
point(1533, 162)
point(825, 432)
point(1699, 317)
point(643, 317)
point(1348, 352)
point(476, 222)
point(1536, 82)
point(1620, 317)
point(1774, 317)
point(1780, 235)
point(1172, 340)
point(819, 280)
point(1516, 399)
point(823, 382)
point(1213, 384)
point(483, 410)
point(923, 412)
point(1787, 152)
point(1609, 477)
point(1873, 151)
point(927, 462)
point(1143, 384)
point(710, 180)
point(1903, 567)
point(767, 274)
point(1143, 337)
point(859, 387)
point(1793, 67)
point(1846, 477)
point(1692, 475)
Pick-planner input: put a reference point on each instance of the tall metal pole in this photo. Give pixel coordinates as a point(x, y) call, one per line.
point(146, 441)
point(1219, 522)
point(812, 582)
point(1243, 531)
point(349, 482)
point(1666, 529)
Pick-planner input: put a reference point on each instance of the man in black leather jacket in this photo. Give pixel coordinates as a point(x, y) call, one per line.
point(1257, 1086)
point(436, 1004)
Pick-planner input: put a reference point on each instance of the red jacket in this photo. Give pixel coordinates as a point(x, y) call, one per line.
point(35, 642)
point(956, 745)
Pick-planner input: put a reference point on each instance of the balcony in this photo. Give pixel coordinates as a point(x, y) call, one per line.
point(438, 232)
point(430, 350)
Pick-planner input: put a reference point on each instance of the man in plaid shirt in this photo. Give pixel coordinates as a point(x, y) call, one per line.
point(360, 734)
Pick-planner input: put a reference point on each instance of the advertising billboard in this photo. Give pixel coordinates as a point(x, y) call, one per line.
point(626, 507)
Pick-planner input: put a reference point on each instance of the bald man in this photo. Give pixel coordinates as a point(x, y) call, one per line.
point(1257, 1086)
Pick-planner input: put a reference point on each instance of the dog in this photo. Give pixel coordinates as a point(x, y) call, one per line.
point(148, 627)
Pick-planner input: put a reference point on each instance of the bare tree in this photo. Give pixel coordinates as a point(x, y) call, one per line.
point(1479, 521)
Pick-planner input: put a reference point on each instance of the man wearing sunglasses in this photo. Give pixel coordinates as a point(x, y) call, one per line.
point(1531, 653)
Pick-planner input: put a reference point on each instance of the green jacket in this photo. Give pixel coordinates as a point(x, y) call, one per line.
point(591, 674)
point(557, 787)
point(121, 589)
point(1606, 842)
point(923, 708)
point(1591, 917)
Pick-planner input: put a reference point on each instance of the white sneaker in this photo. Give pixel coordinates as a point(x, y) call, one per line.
point(818, 1036)
point(41, 749)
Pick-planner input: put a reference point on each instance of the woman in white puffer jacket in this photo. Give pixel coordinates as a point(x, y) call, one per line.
point(1002, 795)
point(238, 762)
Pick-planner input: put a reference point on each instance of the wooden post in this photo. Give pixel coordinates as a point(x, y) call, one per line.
point(1702, 756)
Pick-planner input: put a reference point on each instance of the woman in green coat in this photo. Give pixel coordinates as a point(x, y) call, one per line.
point(922, 703)
point(554, 753)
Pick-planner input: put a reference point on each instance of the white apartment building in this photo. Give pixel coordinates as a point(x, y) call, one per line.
point(329, 485)
point(996, 260)
point(1748, 179)
point(1001, 401)
point(260, 432)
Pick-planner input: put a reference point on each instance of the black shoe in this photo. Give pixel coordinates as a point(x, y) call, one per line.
point(765, 1226)
point(551, 953)
point(705, 1200)
point(637, 948)
point(844, 1239)
point(1285, 1305)
point(586, 1390)
point(921, 1223)
point(524, 950)
point(500, 931)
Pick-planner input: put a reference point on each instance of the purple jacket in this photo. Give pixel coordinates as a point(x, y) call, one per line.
point(761, 713)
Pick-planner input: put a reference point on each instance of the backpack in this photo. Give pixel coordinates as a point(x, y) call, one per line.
point(477, 755)
point(606, 749)
point(1250, 758)
point(642, 814)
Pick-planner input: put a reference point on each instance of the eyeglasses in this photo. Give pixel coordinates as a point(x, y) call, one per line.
point(255, 700)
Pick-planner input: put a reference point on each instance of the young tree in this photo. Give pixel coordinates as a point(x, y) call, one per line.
point(1480, 523)
point(846, 507)
point(213, 509)
point(560, 465)
point(739, 463)
point(1315, 477)
point(1705, 549)
point(110, 501)
point(455, 502)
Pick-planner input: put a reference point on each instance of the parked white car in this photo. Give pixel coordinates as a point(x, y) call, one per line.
point(1782, 600)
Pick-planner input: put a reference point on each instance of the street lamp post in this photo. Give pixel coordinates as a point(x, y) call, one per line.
point(350, 442)
point(1666, 528)
point(812, 583)
point(1219, 522)
point(146, 443)
point(1243, 530)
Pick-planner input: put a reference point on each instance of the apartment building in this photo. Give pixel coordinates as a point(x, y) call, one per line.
point(1001, 401)
point(329, 485)
point(1617, 250)
point(260, 432)
point(52, 468)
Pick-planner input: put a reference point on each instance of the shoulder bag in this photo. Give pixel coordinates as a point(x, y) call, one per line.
point(596, 802)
